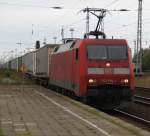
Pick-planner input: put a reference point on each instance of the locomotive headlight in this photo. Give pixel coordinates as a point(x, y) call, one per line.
point(125, 81)
point(92, 81)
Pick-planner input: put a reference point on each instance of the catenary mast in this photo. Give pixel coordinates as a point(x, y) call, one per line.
point(139, 39)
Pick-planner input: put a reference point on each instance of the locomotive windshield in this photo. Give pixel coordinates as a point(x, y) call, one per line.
point(113, 52)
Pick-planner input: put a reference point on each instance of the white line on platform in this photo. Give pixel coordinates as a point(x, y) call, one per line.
point(74, 114)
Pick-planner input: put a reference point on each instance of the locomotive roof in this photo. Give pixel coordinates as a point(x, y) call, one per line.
point(78, 42)
point(49, 46)
point(28, 53)
point(105, 41)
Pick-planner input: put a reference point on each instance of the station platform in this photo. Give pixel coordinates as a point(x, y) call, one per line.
point(37, 111)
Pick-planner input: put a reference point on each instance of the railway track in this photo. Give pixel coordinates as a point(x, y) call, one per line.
point(142, 100)
point(142, 96)
point(144, 89)
point(134, 117)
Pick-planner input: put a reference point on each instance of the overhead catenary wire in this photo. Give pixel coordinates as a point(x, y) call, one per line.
point(111, 3)
point(74, 4)
point(72, 7)
point(23, 5)
point(145, 21)
point(75, 22)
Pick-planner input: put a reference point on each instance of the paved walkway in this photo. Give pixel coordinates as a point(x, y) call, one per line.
point(36, 111)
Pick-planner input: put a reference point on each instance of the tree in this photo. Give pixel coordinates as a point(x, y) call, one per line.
point(145, 59)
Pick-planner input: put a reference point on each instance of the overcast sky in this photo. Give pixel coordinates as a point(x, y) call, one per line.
point(19, 17)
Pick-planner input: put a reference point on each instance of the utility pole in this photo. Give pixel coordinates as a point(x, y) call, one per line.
point(16, 56)
point(139, 40)
point(71, 30)
point(135, 49)
point(87, 22)
point(32, 30)
point(20, 43)
point(44, 41)
point(55, 38)
point(62, 33)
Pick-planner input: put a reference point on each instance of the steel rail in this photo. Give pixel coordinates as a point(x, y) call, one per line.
point(142, 89)
point(142, 100)
point(133, 116)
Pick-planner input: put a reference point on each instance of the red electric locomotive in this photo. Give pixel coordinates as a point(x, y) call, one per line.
point(100, 69)
point(97, 69)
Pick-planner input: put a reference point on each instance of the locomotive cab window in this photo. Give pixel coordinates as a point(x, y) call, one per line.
point(107, 52)
point(117, 52)
point(96, 52)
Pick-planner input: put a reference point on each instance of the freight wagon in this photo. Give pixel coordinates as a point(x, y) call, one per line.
point(42, 61)
point(14, 64)
point(28, 61)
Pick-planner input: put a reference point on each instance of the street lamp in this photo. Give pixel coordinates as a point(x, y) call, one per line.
point(19, 43)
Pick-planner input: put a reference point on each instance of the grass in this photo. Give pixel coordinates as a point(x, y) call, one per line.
point(26, 134)
point(11, 77)
point(1, 133)
point(143, 81)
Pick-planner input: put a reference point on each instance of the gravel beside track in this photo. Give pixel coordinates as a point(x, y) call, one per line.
point(145, 92)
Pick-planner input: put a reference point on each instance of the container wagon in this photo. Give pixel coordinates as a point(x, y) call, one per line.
point(28, 61)
point(42, 62)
